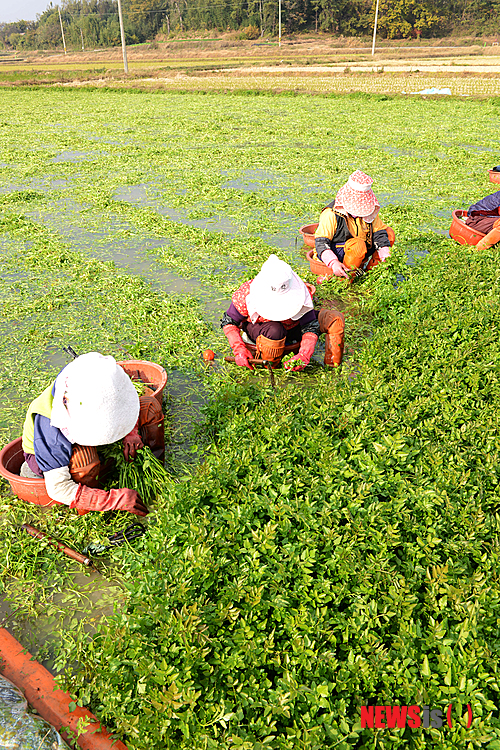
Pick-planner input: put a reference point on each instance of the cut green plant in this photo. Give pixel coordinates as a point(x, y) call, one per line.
point(145, 474)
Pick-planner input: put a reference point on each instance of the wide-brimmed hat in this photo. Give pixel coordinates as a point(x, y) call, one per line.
point(356, 196)
point(95, 402)
point(277, 293)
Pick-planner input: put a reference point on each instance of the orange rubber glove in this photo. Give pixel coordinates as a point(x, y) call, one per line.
point(307, 347)
point(330, 259)
point(89, 498)
point(131, 444)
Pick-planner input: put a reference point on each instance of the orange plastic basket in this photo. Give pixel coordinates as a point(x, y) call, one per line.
point(148, 372)
point(461, 233)
point(31, 490)
point(317, 266)
point(307, 233)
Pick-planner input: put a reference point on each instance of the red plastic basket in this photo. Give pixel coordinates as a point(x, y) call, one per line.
point(307, 233)
point(148, 372)
point(494, 176)
point(317, 266)
point(31, 490)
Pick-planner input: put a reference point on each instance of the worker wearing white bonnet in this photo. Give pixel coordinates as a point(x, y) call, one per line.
point(350, 232)
point(92, 402)
point(274, 310)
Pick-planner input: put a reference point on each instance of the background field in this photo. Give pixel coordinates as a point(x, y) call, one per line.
point(314, 63)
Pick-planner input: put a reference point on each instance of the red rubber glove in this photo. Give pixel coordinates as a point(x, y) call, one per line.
point(131, 444)
point(330, 259)
point(307, 346)
point(89, 498)
point(241, 353)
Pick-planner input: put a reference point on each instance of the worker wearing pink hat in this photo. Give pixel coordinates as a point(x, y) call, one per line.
point(350, 232)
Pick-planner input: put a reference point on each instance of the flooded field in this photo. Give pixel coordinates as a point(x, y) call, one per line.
point(127, 219)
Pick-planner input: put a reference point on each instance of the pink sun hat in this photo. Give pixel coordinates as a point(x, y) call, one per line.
point(356, 196)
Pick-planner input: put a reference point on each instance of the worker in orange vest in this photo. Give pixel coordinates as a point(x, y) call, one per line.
point(350, 232)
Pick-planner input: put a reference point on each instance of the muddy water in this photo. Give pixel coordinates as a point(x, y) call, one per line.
point(87, 598)
point(136, 257)
point(75, 156)
point(148, 195)
point(140, 195)
point(185, 400)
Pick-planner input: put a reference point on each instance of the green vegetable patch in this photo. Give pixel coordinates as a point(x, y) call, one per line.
point(338, 548)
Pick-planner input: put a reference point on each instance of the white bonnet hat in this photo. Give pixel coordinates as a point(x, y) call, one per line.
point(277, 293)
point(95, 402)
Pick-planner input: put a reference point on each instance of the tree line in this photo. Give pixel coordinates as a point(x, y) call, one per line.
point(94, 23)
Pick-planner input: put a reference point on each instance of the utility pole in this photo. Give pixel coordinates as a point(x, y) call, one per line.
point(279, 24)
point(122, 33)
point(62, 30)
point(81, 34)
point(375, 29)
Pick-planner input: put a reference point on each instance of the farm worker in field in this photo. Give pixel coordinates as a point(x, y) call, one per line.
point(350, 232)
point(276, 309)
point(485, 217)
point(91, 402)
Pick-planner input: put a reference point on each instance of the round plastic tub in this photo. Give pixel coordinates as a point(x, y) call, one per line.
point(307, 233)
point(461, 233)
point(148, 372)
point(317, 266)
point(31, 490)
point(494, 176)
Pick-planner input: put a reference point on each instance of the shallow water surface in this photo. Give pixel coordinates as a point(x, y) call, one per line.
point(75, 156)
point(87, 598)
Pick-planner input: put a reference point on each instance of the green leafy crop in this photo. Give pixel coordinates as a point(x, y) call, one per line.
point(332, 542)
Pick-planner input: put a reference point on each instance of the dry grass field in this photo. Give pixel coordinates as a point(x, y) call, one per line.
point(309, 64)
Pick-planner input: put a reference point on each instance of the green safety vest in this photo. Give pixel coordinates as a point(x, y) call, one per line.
point(41, 405)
